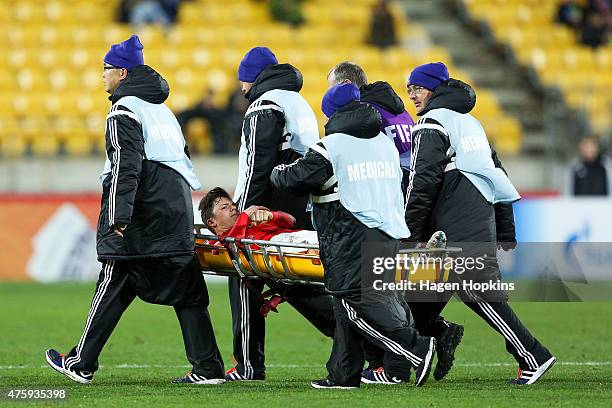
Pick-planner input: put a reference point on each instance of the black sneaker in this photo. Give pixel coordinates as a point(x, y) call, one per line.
point(57, 362)
point(526, 377)
point(191, 378)
point(326, 384)
point(422, 371)
point(446, 345)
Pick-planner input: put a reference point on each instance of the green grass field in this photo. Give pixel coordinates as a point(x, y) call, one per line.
point(146, 352)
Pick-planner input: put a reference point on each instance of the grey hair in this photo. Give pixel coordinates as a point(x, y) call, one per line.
point(351, 71)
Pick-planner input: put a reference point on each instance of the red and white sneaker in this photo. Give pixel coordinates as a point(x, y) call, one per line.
point(233, 375)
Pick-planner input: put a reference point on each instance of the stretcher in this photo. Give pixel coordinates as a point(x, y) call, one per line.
point(240, 258)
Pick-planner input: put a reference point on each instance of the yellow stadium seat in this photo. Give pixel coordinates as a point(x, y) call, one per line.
point(185, 79)
point(31, 80)
point(45, 146)
point(25, 105)
point(115, 33)
point(78, 35)
point(190, 13)
point(54, 58)
point(8, 125)
point(28, 12)
point(600, 121)
point(5, 13)
point(152, 36)
point(603, 57)
point(35, 125)
point(92, 13)
point(397, 57)
point(198, 136)
point(21, 58)
point(179, 101)
point(78, 145)
point(181, 36)
point(13, 145)
point(8, 81)
point(89, 78)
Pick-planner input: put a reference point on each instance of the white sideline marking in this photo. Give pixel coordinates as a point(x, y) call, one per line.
point(140, 366)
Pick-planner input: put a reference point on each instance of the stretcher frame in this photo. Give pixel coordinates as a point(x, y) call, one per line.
point(271, 262)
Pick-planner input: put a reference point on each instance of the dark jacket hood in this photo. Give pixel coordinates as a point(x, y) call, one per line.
point(144, 83)
point(452, 94)
point(279, 76)
point(356, 119)
point(380, 93)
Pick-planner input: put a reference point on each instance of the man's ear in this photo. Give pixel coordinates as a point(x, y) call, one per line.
point(211, 223)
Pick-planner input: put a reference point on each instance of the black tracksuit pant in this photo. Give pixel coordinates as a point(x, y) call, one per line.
point(494, 309)
point(380, 318)
point(175, 281)
point(249, 326)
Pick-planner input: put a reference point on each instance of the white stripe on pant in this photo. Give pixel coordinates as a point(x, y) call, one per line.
point(390, 344)
point(108, 272)
point(505, 330)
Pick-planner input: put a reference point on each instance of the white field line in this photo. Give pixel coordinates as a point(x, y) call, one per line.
point(141, 366)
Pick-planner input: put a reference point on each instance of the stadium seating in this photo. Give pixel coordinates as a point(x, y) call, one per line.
point(52, 101)
point(583, 75)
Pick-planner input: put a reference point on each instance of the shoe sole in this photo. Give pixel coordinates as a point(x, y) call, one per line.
point(212, 381)
point(66, 373)
point(366, 381)
point(442, 369)
point(427, 363)
point(336, 387)
point(542, 370)
point(243, 379)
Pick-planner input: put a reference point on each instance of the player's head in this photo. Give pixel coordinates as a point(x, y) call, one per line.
point(347, 72)
point(423, 81)
point(119, 60)
point(218, 210)
point(254, 62)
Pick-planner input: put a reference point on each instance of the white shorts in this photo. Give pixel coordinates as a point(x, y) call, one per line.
point(297, 237)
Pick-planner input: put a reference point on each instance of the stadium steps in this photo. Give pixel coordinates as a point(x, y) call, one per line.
point(487, 68)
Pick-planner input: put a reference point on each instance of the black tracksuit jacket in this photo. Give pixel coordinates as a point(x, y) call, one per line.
point(448, 201)
point(267, 137)
point(151, 198)
point(340, 232)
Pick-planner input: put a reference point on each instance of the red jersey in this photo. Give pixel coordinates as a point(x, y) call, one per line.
point(281, 222)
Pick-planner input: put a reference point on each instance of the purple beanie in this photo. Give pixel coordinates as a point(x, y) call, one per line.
point(127, 54)
point(255, 61)
point(429, 75)
point(337, 96)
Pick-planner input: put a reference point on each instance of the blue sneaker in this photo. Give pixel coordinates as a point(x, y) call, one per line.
point(325, 383)
point(56, 361)
point(377, 376)
point(191, 378)
point(526, 377)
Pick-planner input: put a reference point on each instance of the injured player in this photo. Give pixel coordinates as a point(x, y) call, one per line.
point(221, 215)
